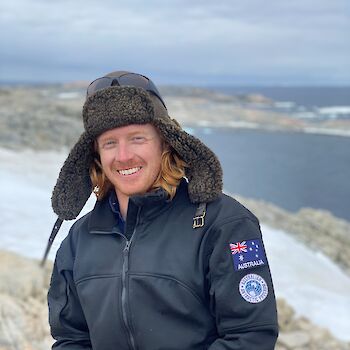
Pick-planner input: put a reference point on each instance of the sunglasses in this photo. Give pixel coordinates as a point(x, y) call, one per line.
point(124, 79)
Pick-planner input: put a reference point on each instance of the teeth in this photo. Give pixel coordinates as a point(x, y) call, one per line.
point(129, 171)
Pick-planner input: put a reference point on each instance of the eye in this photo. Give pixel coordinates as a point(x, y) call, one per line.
point(108, 144)
point(138, 139)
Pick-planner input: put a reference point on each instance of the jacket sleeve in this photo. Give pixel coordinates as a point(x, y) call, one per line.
point(246, 318)
point(66, 317)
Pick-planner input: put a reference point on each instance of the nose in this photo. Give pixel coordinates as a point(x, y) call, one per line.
point(123, 153)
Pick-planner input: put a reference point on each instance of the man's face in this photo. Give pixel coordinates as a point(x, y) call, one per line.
point(131, 158)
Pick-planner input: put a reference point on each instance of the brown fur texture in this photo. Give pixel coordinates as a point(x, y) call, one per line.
point(119, 106)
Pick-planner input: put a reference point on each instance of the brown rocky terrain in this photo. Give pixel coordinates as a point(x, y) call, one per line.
point(23, 311)
point(38, 118)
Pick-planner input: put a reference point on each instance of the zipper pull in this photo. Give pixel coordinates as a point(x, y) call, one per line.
point(127, 246)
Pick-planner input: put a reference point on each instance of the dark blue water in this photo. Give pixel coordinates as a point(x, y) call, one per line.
point(291, 170)
point(302, 96)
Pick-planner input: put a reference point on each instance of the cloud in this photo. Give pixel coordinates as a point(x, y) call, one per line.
point(178, 41)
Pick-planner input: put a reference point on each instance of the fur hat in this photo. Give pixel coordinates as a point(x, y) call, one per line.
point(117, 106)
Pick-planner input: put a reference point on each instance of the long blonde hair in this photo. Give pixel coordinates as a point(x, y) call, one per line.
point(172, 170)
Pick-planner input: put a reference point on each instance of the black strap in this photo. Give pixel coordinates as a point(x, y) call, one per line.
point(54, 232)
point(198, 219)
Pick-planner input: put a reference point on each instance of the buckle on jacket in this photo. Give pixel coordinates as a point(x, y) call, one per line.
point(198, 219)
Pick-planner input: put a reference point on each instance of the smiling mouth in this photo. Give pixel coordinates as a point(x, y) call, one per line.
point(130, 171)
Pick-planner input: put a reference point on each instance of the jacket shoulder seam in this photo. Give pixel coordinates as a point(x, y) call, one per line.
point(229, 220)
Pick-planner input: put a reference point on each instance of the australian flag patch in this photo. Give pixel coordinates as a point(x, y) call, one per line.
point(248, 254)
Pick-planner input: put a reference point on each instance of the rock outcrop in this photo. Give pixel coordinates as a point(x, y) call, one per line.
point(298, 333)
point(23, 310)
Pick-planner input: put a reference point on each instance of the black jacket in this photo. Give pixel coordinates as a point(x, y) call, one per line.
point(162, 284)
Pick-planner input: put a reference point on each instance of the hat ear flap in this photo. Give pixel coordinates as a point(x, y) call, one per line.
point(74, 187)
point(205, 178)
point(204, 171)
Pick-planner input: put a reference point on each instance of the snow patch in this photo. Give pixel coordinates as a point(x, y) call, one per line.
point(309, 281)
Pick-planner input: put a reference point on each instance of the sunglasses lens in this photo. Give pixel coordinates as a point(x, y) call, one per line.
point(99, 84)
point(152, 87)
point(133, 79)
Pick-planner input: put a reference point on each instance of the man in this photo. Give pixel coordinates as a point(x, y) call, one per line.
point(164, 260)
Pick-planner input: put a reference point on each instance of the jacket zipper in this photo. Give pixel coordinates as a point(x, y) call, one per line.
point(124, 284)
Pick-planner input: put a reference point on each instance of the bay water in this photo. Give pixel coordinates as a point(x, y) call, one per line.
point(290, 169)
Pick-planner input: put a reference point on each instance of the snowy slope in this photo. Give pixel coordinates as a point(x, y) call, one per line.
point(309, 281)
point(314, 286)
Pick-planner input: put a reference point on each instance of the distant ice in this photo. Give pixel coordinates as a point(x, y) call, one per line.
point(69, 95)
point(314, 286)
point(324, 131)
point(284, 104)
point(306, 115)
point(334, 111)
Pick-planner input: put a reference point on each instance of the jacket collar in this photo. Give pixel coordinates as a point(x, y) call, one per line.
point(104, 221)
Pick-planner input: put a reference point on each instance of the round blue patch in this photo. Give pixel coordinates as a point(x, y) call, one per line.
point(253, 288)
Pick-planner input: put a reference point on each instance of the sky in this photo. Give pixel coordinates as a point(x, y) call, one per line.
point(250, 42)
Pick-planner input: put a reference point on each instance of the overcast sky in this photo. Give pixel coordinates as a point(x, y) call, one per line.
point(269, 42)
